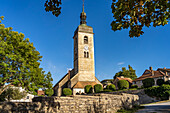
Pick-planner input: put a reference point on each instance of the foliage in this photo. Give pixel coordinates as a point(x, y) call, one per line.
point(98, 88)
point(49, 92)
point(123, 84)
point(133, 110)
point(130, 73)
point(148, 82)
point(13, 94)
point(20, 62)
point(129, 14)
point(67, 91)
point(162, 92)
point(134, 86)
point(135, 14)
point(112, 87)
point(167, 82)
point(53, 6)
point(88, 89)
point(159, 82)
point(106, 90)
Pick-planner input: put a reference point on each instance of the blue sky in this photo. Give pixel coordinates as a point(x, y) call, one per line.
point(53, 37)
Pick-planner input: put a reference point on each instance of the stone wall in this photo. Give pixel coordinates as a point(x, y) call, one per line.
point(99, 103)
point(143, 98)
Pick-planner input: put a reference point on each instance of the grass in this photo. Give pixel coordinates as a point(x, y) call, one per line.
point(133, 110)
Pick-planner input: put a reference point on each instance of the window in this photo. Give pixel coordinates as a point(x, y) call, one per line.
point(86, 54)
point(85, 40)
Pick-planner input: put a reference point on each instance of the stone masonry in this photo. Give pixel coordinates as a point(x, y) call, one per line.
point(99, 103)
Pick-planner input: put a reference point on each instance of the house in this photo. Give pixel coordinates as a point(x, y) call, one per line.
point(115, 81)
point(83, 72)
point(160, 73)
point(27, 98)
point(107, 82)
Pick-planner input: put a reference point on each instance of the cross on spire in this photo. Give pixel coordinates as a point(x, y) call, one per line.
point(83, 5)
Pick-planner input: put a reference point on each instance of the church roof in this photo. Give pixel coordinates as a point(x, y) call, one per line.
point(82, 84)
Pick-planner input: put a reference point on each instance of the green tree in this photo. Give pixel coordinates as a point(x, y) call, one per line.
point(20, 62)
point(129, 14)
point(13, 94)
point(130, 73)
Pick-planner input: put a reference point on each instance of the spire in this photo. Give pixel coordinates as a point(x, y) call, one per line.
point(83, 16)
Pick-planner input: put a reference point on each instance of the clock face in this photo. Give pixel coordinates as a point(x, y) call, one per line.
point(86, 47)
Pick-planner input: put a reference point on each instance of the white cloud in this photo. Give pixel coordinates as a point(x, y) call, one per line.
point(120, 63)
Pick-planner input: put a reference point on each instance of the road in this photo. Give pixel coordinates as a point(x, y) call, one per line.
point(163, 107)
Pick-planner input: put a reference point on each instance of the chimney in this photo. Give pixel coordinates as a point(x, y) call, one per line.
point(152, 71)
point(150, 68)
point(164, 67)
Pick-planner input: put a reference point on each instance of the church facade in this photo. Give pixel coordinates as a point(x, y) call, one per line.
point(83, 72)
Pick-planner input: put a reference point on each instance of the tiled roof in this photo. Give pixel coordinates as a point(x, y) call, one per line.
point(156, 74)
point(82, 84)
point(128, 79)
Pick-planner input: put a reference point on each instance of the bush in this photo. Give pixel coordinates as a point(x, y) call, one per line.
point(107, 87)
point(134, 86)
point(159, 82)
point(98, 88)
point(123, 84)
point(106, 90)
point(112, 87)
point(167, 82)
point(148, 82)
point(88, 89)
point(67, 91)
point(162, 92)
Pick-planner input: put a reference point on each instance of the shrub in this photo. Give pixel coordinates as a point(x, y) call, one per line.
point(159, 82)
point(162, 92)
point(134, 86)
point(67, 91)
point(107, 87)
point(123, 84)
point(98, 88)
point(88, 89)
point(106, 90)
point(148, 82)
point(112, 87)
point(167, 82)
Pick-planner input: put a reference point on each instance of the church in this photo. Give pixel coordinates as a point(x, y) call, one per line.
point(83, 72)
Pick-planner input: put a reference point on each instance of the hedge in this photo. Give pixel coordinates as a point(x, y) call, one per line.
point(159, 82)
point(162, 92)
point(112, 87)
point(98, 88)
point(88, 89)
point(134, 86)
point(148, 82)
point(67, 91)
point(123, 84)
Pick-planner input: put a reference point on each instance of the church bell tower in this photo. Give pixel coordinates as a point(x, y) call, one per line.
point(84, 50)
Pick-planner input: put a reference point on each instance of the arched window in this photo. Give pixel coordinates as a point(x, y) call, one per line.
point(85, 40)
point(86, 54)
